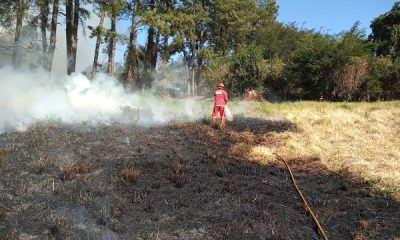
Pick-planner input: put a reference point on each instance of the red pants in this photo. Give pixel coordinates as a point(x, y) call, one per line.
point(220, 110)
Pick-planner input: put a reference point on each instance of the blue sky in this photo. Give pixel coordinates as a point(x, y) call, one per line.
point(328, 16)
point(332, 16)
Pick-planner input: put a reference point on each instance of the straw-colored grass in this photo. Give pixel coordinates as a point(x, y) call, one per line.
point(363, 138)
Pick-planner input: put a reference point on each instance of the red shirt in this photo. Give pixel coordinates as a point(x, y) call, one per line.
point(220, 97)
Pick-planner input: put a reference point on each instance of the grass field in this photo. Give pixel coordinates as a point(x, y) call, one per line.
point(362, 138)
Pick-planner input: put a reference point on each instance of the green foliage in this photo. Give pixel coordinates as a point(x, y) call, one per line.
point(115, 7)
point(352, 44)
point(234, 22)
point(217, 69)
point(386, 32)
point(245, 72)
point(278, 40)
point(311, 66)
point(383, 79)
point(284, 62)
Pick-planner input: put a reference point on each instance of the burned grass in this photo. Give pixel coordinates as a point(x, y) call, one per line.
point(178, 181)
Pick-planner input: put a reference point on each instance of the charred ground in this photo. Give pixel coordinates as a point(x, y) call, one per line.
point(176, 181)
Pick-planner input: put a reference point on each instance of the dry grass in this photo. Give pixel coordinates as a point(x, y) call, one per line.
point(253, 152)
point(118, 208)
point(12, 234)
point(60, 224)
point(42, 164)
point(70, 171)
point(261, 154)
point(362, 138)
point(4, 150)
point(179, 173)
point(178, 167)
point(129, 175)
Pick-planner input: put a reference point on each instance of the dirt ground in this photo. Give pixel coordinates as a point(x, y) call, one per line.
point(176, 181)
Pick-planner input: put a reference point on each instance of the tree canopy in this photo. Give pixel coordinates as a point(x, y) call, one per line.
point(240, 42)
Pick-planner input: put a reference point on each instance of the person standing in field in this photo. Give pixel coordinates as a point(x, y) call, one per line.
point(220, 100)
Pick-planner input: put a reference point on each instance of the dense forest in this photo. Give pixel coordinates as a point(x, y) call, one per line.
point(240, 42)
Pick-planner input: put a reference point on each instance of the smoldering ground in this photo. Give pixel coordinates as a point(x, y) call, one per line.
point(177, 181)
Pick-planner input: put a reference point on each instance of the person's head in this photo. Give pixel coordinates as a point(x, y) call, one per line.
point(220, 85)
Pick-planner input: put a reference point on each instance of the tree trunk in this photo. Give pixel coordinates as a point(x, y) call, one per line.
point(148, 63)
point(199, 69)
point(193, 65)
point(131, 61)
point(193, 82)
point(53, 33)
point(69, 13)
point(164, 52)
point(188, 78)
point(18, 31)
point(74, 46)
point(98, 42)
point(72, 17)
point(111, 46)
point(53, 36)
point(44, 11)
point(154, 52)
point(198, 77)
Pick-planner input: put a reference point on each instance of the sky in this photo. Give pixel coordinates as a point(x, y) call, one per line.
point(332, 16)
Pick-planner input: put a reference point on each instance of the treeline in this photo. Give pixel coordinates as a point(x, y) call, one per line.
point(239, 42)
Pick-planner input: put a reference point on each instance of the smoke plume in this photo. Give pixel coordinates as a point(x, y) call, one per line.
point(30, 96)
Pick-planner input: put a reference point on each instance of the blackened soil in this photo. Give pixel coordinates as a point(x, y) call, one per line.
point(178, 181)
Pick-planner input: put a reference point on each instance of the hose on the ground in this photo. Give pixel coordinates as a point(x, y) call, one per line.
point(309, 210)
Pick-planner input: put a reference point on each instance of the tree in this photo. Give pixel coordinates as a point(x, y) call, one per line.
point(71, 39)
point(7, 23)
point(278, 40)
point(351, 64)
point(22, 6)
point(235, 22)
point(131, 62)
point(175, 21)
point(150, 18)
point(114, 8)
point(74, 14)
point(233, 29)
point(245, 70)
point(112, 38)
point(167, 12)
point(310, 66)
point(383, 79)
point(192, 39)
point(53, 35)
point(44, 12)
point(6, 16)
point(386, 32)
point(349, 78)
point(279, 44)
point(150, 57)
point(98, 32)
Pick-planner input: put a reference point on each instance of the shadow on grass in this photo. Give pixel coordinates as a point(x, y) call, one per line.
point(260, 125)
point(188, 187)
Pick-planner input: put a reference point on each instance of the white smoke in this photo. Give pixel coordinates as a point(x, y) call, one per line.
point(30, 96)
point(228, 113)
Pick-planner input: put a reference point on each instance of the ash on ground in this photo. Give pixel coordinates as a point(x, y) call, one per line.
point(176, 181)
